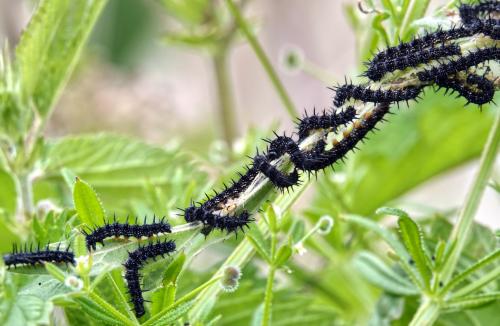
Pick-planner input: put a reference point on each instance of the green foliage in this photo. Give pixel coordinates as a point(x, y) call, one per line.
point(294, 270)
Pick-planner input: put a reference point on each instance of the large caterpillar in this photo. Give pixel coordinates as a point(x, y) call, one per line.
point(447, 60)
point(27, 256)
point(115, 229)
point(136, 260)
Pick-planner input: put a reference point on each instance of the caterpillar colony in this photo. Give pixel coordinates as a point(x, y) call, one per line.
point(434, 59)
point(437, 59)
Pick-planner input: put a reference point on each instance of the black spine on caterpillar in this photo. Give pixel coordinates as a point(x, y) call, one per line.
point(115, 229)
point(454, 66)
point(27, 256)
point(365, 94)
point(377, 70)
point(135, 261)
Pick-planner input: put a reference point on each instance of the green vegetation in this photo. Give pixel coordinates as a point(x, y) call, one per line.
point(442, 268)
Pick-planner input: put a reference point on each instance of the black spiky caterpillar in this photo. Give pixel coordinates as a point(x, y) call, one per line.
point(135, 261)
point(377, 70)
point(365, 94)
point(115, 229)
point(28, 256)
point(431, 47)
point(475, 89)
point(464, 62)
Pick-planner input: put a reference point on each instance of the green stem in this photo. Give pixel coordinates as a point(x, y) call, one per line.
point(268, 298)
point(226, 103)
point(427, 313)
point(264, 60)
point(462, 229)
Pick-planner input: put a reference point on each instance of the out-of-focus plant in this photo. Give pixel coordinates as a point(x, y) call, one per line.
point(289, 268)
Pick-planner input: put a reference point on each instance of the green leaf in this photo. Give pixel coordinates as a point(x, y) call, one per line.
point(283, 254)
point(478, 284)
point(256, 239)
point(471, 302)
point(391, 211)
point(172, 315)
point(469, 271)
point(378, 273)
point(174, 269)
point(180, 306)
point(272, 218)
point(95, 311)
point(57, 273)
point(80, 246)
point(51, 45)
point(122, 170)
point(88, 204)
point(413, 240)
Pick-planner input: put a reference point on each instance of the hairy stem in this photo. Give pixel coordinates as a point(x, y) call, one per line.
point(462, 228)
point(427, 313)
point(268, 297)
point(264, 60)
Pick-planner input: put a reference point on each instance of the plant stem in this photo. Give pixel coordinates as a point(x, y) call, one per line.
point(426, 314)
point(462, 228)
point(268, 298)
point(264, 60)
point(226, 103)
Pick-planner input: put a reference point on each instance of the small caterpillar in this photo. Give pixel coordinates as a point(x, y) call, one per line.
point(365, 94)
point(135, 261)
point(377, 70)
point(324, 121)
point(214, 221)
point(429, 41)
point(115, 229)
point(27, 256)
point(454, 66)
point(476, 89)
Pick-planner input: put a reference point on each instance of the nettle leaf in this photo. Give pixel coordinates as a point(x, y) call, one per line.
point(412, 237)
point(377, 272)
point(87, 204)
point(26, 299)
point(120, 169)
point(51, 45)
